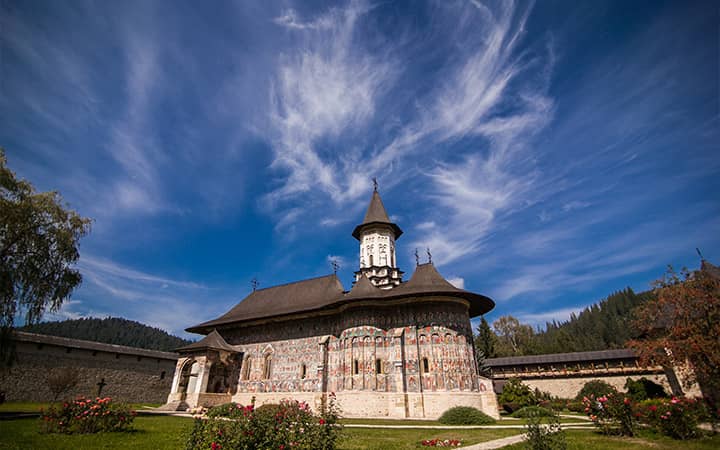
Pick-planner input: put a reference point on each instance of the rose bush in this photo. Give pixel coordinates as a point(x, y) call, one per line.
point(677, 417)
point(87, 416)
point(291, 424)
point(612, 413)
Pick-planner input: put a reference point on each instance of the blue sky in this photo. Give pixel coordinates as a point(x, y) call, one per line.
point(548, 154)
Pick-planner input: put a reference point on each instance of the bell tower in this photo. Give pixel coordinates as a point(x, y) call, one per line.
point(377, 236)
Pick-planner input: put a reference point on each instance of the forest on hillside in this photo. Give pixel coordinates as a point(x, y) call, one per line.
point(601, 326)
point(110, 330)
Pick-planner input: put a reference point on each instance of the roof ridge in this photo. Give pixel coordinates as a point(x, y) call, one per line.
point(296, 282)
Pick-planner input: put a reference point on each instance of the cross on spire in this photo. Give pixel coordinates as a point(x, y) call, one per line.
point(375, 184)
point(429, 255)
point(335, 265)
point(254, 283)
point(417, 258)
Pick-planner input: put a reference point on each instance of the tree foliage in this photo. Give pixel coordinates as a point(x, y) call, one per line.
point(604, 325)
point(485, 340)
point(38, 246)
point(110, 330)
point(514, 338)
point(682, 325)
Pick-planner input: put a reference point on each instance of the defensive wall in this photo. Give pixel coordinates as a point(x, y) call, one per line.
point(124, 373)
point(564, 374)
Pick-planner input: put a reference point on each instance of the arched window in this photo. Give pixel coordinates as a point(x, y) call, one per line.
point(246, 368)
point(303, 371)
point(371, 260)
point(425, 365)
point(356, 367)
point(268, 366)
point(378, 366)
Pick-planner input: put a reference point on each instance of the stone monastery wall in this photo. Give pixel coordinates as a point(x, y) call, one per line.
point(127, 374)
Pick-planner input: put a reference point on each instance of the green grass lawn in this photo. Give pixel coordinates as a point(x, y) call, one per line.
point(163, 432)
point(592, 440)
point(390, 439)
point(502, 421)
point(166, 432)
point(154, 432)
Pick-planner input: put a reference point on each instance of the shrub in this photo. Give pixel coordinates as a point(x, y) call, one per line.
point(575, 406)
point(465, 415)
point(87, 416)
point(516, 395)
point(290, 424)
point(62, 380)
point(677, 417)
point(532, 411)
point(611, 413)
point(541, 436)
point(596, 389)
point(644, 389)
point(558, 404)
point(230, 410)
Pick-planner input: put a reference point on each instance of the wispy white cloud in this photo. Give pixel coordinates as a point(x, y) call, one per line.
point(540, 319)
point(341, 262)
point(477, 100)
point(322, 89)
point(458, 282)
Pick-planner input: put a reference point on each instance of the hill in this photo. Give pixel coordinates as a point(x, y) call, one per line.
point(111, 330)
point(601, 326)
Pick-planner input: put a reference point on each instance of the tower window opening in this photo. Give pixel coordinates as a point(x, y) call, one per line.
point(371, 260)
point(378, 366)
point(303, 371)
point(356, 367)
point(425, 365)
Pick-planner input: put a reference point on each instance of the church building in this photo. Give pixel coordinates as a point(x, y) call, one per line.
point(387, 348)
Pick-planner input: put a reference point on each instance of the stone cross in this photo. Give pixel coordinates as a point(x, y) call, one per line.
point(100, 386)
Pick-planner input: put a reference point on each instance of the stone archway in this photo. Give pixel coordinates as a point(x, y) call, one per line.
point(189, 377)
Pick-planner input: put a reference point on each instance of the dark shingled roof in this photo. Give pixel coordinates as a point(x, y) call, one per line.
point(600, 355)
point(288, 298)
point(318, 293)
point(212, 341)
point(364, 289)
point(376, 215)
point(427, 281)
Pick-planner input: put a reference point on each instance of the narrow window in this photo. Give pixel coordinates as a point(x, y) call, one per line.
point(425, 365)
point(303, 371)
point(371, 260)
point(268, 367)
point(356, 367)
point(162, 375)
point(246, 368)
point(378, 366)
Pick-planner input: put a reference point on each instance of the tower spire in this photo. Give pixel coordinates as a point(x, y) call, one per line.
point(377, 235)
